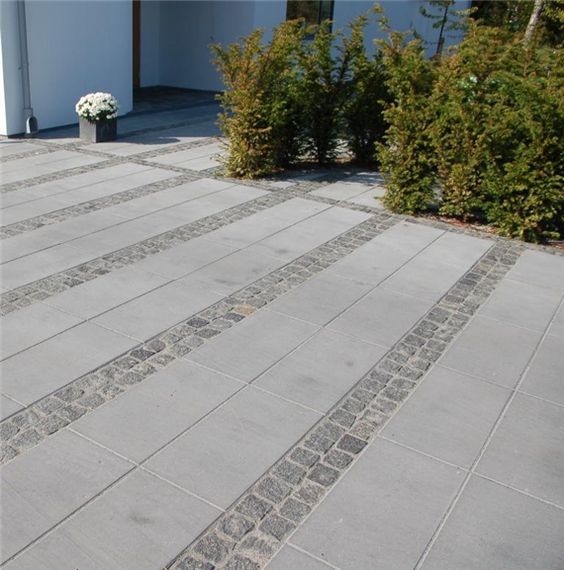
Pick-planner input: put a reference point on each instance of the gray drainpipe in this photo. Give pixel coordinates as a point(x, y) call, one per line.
point(30, 121)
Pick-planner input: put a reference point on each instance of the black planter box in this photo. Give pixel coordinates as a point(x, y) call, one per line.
point(98, 131)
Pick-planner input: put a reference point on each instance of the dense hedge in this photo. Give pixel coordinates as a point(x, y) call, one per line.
point(476, 134)
point(304, 94)
point(484, 127)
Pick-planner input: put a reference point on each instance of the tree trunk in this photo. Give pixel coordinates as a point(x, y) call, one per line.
point(534, 20)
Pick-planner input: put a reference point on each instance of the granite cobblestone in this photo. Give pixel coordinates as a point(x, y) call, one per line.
point(113, 378)
point(353, 422)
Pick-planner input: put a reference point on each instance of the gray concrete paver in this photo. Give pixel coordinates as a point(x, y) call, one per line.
point(225, 453)
point(136, 524)
point(150, 415)
point(386, 508)
point(498, 528)
point(248, 351)
point(50, 365)
point(449, 416)
point(382, 512)
point(320, 371)
point(526, 451)
point(544, 378)
point(492, 350)
point(49, 483)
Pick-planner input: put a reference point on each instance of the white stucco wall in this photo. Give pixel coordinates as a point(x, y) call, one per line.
point(74, 48)
point(11, 106)
point(187, 30)
point(184, 31)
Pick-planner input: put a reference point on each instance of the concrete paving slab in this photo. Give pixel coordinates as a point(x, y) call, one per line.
point(387, 252)
point(371, 198)
point(382, 317)
point(11, 147)
point(158, 310)
point(267, 222)
point(492, 350)
point(539, 268)
point(544, 378)
point(94, 297)
point(185, 258)
point(136, 524)
point(497, 528)
point(31, 209)
point(41, 264)
point(157, 140)
point(160, 221)
point(169, 197)
point(342, 190)
point(449, 416)
point(52, 235)
point(8, 407)
point(320, 299)
point(321, 370)
point(227, 451)
point(202, 163)
point(557, 326)
point(62, 200)
point(31, 325)
point(424, 280)
point(521, 304)
point(308, 234)
point(71, 183)
point(181, 156)
point(41, 164)
point(526, 451)
point(256, 344)
point(150, 415)
point(289, 558)
point(454, 249)
point(237, 270)
point(49, 482)
point(392, 495)
point(52, 364)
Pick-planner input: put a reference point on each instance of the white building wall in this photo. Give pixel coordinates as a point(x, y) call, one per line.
point(185, 29)
point(188, 29)
point(74, 48)
point(11, 98)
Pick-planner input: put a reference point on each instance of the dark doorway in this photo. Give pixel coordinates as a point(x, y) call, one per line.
point(136, 11)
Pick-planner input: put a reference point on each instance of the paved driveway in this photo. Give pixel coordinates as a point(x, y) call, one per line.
point(201, 373)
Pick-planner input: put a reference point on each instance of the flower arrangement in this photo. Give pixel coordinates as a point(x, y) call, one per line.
point(97, 107)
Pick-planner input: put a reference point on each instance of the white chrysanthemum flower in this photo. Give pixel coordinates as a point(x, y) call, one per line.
point(97, 106)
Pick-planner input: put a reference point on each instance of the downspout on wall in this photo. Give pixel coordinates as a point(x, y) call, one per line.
point(31, 126)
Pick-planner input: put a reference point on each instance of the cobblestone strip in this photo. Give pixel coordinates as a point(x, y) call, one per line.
point(26, 154)
point(28, 427)
point(256, 526)
point(12, 186)
point(434, 223)
point(63, 214)
point(47, 287)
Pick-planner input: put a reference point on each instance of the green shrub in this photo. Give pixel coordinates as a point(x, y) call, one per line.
point(261, 114)
point(406, 156)
point(497, 115)
point(524, 178)
point(367, 98)
point(461, 123)
point(324, 87)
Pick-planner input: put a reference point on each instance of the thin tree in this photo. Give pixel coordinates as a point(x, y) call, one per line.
point(533, 20)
